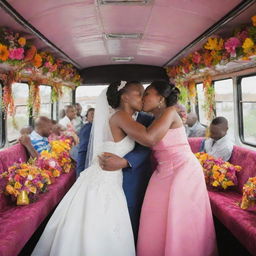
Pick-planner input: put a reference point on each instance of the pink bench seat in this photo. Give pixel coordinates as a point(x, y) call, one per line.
point(241, 223)
point(18, 223)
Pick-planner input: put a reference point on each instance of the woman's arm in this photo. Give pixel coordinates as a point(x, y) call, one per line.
point(145, 136)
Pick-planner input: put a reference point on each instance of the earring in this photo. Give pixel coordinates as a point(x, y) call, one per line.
point(160, 104)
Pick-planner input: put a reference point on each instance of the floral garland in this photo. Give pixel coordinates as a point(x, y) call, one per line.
point(209, 95)
point(249, 194)
point(217, 50)
point(218, 173)
point(21, 54)
point(34, 101)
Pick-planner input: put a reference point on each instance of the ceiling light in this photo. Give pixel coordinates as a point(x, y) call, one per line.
point(123, 2)
point(122, 59)
point(123, 36)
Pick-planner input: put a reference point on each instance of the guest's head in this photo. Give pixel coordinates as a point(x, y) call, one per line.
point(218, 128)
point(191, 119)
point(125, 95)
point(160, 94)
point(56, 128)
point(182, 111)
point(90, 115)
point(43, 126)
point(78, 109)
point(70, 112)
point(26, 130)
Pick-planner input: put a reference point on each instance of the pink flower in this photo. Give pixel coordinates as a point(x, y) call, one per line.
point(231, 45)
point(196, 58)
point(16, 54)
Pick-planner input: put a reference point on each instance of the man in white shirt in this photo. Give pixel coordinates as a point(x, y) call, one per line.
point(219, 145)
point(195, 129)
point(70, 115)
point(78, 121)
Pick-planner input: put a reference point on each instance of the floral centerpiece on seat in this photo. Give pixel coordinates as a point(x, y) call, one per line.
point(249, 194)
point(25, 181)
point(218, 173)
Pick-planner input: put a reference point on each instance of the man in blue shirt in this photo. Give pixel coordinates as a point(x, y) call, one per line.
point(37, 141)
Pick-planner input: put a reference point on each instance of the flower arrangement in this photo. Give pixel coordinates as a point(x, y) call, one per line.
point(25, 181)
point(249, 194)
point(60, 148)
point(217, 50)
point(218, 173)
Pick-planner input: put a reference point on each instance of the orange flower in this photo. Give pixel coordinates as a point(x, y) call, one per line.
point(30, 53)
point(4, 53)
point(37, 61)
point(254, 20)
point(22, 41)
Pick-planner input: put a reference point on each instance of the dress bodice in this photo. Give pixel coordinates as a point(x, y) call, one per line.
point(174, 142)
point(120, 148)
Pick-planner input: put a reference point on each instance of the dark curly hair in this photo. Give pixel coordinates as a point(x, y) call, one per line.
point(167, 90)
point(114, 95)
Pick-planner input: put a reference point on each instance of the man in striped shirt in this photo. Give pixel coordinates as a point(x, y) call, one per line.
point(37, 141)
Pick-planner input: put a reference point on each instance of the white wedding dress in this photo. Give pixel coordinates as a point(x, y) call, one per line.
point(92, 219)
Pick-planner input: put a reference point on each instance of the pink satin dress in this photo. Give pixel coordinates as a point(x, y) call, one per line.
point(176, 217)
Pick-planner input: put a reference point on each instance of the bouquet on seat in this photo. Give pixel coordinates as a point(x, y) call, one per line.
point(218, 173)
point(25, 181)
point(249, 194)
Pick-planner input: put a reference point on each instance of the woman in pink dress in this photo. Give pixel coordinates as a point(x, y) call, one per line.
point(176, 217)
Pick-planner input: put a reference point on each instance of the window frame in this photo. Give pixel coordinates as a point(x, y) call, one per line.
point(240, 109)
point(2, 115)
point(30, 118)
point(50, 102)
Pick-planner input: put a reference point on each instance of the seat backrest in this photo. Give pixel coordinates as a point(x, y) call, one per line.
point(8, 157)
point(195, 144)
point(246, 158)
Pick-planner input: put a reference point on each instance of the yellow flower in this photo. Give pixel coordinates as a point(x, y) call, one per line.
point(214, 44)
point(4, 53)
point(37, 61)
point(22, 41)
point(248, 44)
point(56, 173)
point(17, 185)
point(230, 183)
point(215, 183)
point(254, 20)
point(10, 189)
point(215, 174)
point(221, 177)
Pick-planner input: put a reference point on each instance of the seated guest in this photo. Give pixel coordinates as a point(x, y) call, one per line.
point(37, 141)
point(219, 145)
point(57, 130)
point(182, 112)
point(78, 121)
point(195, 129)
point(84, 137)
point(70, 115)
point(26, 130)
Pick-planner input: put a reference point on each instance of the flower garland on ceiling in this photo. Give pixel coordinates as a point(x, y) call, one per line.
point(22, 60)
point(216, 51)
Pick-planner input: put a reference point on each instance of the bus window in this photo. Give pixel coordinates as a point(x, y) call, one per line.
point(200, 98)
point(66, 99)
point(248, 110)
point(20, 93)
point(224, 102)
point(45, 96)
point(86, 96)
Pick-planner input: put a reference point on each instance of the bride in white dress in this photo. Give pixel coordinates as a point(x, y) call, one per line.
point(92, 219)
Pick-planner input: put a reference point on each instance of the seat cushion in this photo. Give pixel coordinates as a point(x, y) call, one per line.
point(241, 223)
point(18, 223)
